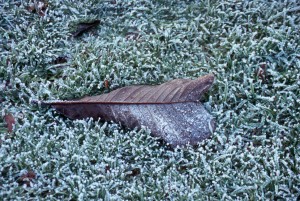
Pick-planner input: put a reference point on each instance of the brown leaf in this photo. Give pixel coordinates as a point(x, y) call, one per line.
point(27, 178)
point(39, 7)
point(170, 110)
point(107, 168)
point(10, 121)
point(84, 27)
point(106, 84)
point(262, 72)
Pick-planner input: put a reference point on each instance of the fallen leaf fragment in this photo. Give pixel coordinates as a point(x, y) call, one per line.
point(133, 172)
point(27, 178)
point(10, 122)
point(262, 72)
point(107, 169)
point(171, 110)
point(39, 7)
point(84, 27)
point(106, 84)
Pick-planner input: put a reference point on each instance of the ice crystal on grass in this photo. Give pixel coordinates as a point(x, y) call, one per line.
point(254, 152)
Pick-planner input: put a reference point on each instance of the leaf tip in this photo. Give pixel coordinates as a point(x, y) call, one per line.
point(38, 103)
point(209, 79)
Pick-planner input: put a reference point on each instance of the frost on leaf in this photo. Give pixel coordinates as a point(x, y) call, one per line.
point(171, 110)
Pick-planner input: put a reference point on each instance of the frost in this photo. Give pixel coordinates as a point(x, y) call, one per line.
point(162, 119)
point(254, 151)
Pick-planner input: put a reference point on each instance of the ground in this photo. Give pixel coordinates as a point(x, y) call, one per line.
point(252, 48)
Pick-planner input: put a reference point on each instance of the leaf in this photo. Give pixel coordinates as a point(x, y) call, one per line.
point(171, 110)
point(27, 178)
point(10, 121)
point(262, 72)
point(106, 84)
point(84, 27)
point(39, 7)
point(132, 173)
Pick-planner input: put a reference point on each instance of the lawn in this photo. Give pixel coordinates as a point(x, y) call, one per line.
point(252, 48)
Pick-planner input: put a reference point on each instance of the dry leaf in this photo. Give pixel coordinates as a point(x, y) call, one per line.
point(107, 169)
point(133, 172)
point(84, 27)
point(27, 178)
point(262, 72)
point(39, 7)
point(10, 122)
point(106, 84)
point(171, 110)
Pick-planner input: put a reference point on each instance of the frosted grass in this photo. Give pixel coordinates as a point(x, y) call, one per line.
point(252, 155)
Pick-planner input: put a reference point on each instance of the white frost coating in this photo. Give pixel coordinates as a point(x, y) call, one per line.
point(178, 124)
